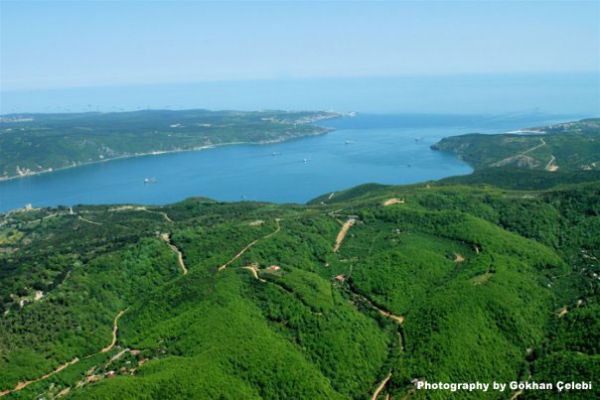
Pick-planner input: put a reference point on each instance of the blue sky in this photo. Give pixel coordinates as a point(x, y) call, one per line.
point(51, 44)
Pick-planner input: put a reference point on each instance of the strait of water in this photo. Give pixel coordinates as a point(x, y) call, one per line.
point(388, 149)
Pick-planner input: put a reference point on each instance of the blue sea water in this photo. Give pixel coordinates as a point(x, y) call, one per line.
point(389, 149)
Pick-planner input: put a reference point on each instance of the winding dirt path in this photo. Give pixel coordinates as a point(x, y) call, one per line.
point(507, 160)
point(381, 386)
point(399, 319)
point(542, 143)
point(164, 214)
point(249, 246)
point(254, 270)
point(551, 166)
point(114, 334)
point(342, 234)
point(116, 357)
point(22, 385)
point(167, 238)
point(516, 394)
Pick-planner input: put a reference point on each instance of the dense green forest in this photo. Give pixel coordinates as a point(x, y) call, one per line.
point(443, 281)
point(488, 277)
point(34, 143)
point(568, 146)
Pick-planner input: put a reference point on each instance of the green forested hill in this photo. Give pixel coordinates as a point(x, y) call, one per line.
point(568, 146)
point(35, 143)
point(449, 281)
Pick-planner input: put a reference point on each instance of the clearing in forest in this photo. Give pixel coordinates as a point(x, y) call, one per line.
point(551, 166)
point(342, 234)
point(393, 201)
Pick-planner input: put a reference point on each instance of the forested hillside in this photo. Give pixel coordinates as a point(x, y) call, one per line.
point(357, 295)
point(35, 143)
point(569, 146)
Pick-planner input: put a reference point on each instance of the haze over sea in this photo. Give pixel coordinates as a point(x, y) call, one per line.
point(388, 142)
point(549, 93)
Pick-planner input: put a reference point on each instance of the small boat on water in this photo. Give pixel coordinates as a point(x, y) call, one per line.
point(149, 180)
point(349, 142)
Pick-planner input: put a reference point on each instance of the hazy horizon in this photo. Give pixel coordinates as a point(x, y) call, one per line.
point(105, 44)
point(576, 95)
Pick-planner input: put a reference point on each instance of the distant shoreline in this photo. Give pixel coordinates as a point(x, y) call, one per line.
point(324, 131)
point(525, 132)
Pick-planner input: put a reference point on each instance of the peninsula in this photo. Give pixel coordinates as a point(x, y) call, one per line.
point(567, 146)
point(37, 143)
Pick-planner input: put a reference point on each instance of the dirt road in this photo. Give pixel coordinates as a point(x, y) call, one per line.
point(551, 166)
point(510, 159)
point(245, 249)
point(167, 238)
point(342, 234)
point(399, 319)
point(516, 394)
point(114, 334)
point(542, 143)
point(22, 385)
point(254, 270)
point(381, 386)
